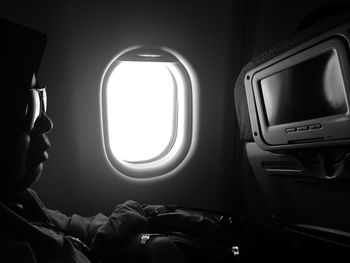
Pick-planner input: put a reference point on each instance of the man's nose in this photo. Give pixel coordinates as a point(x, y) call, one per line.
point(43, 124)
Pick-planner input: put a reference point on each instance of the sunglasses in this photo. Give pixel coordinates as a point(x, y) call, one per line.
point(36, 104)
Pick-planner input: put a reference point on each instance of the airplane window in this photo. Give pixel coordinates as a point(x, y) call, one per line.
point(147, 113)
point(141, 108)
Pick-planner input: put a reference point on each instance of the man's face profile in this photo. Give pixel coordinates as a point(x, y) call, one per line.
point(30, 146)
point(24, 122)
point(34, 140)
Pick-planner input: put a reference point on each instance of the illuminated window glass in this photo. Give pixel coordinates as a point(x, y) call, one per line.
point(146, 113)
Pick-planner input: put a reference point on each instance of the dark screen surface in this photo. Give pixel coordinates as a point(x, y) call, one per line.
point(311, 89)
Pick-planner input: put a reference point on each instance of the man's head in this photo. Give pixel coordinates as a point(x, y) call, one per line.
point(24, 121)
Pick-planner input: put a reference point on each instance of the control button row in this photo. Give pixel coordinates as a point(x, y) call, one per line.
point(315, 126)
point(304, 128)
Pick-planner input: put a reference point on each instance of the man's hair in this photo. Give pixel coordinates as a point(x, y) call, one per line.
point(21, 49)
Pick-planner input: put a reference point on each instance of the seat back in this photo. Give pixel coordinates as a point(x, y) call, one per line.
point(305, 179)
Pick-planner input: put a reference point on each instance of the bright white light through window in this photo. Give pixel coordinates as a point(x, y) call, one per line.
point(146, 113)
point(141, 112)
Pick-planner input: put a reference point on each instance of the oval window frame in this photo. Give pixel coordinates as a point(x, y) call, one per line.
point(173, 155)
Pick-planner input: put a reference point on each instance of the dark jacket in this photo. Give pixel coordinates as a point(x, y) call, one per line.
point(32, 233)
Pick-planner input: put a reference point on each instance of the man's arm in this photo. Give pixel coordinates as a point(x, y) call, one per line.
point(78, 226)
point(101, 231)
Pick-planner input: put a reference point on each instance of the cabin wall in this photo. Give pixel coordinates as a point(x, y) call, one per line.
point(83, 36)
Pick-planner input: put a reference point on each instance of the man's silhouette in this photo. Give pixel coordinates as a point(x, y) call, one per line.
point(29, 231)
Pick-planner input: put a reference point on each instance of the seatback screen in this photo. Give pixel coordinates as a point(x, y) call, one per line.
point(311, 89)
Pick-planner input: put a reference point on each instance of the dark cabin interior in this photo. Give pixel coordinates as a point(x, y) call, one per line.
point(217, 38)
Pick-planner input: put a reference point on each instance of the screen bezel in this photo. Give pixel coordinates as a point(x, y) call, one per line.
point(335, 128)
